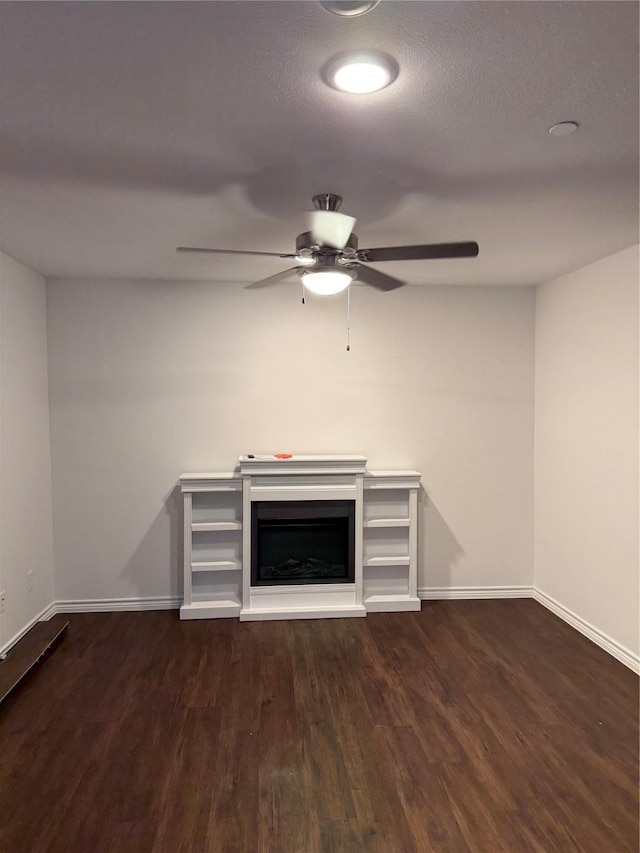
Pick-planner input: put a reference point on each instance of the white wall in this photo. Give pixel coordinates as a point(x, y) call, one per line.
point(25, 461)
point(152, 379)
point(586, 445)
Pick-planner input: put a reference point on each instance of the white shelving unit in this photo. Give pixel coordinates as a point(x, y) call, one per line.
point(212, 546)
point(390, 551)
point(217, 542)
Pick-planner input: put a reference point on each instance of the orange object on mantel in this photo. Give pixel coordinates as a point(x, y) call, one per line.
point(282, 455)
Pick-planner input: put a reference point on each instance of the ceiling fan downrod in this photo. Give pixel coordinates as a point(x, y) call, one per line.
point(327, 201)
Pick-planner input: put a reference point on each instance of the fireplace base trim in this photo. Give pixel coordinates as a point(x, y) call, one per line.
point(333, 611)
point(317, 598)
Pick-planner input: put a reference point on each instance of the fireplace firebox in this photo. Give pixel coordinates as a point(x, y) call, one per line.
point(302, 542)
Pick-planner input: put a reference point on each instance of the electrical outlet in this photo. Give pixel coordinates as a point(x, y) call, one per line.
point(29, 581)
point(3, 600)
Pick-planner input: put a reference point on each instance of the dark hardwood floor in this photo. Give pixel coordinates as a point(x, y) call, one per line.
point(480, 726)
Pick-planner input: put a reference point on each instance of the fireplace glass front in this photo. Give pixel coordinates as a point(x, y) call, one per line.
point(302, 542)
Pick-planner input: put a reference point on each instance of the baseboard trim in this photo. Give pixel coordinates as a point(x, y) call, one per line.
point(110, 605)
point(619, 652)
point(43, 616)
point(48, 612)
point(430, 593)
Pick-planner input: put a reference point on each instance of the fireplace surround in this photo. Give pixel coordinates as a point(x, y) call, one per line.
point(301, 537)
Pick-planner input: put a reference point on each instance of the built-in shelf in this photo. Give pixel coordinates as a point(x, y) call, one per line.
point(387, 522)
point(201, 526)
point(216, 566)
point(212, 546)
point(387, 561)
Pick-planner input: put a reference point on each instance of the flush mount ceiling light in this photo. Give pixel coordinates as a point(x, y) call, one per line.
point(348, 8)
point(564, 128)
point(360, 72)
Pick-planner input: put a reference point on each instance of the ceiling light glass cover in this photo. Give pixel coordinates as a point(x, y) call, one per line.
point(327, 282)
point(349, 8)
point(564, 128)
point(360, 72)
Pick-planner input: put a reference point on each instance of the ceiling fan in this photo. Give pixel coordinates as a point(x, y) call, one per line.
point(329, 259)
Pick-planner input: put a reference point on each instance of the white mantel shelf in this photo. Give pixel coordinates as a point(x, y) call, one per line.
point(302, 465)
point(217, 538)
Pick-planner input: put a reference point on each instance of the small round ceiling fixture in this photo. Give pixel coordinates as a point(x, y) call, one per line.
point(564, 128)
point(360, 72)
point(348, 8)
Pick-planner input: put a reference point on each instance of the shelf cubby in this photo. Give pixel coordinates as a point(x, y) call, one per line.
point(387, 522)
point(216, 566)
point(390, 560)
point(204, 526)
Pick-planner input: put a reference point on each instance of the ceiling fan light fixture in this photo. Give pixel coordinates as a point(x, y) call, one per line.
point(327, 282)
point(360, 72)
point(305, 260)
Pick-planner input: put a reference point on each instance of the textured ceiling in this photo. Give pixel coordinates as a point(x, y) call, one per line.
point(130, 128)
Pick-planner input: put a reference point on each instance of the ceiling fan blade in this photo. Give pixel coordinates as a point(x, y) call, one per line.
point(272, 279)
point(330, 228)
point(420, 253)
point(370, 275)
point(233, 252)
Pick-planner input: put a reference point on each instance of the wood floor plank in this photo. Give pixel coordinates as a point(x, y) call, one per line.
point(428, 809)
point(469, 727)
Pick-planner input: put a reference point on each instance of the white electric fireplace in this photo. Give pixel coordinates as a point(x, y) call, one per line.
point(301, 537)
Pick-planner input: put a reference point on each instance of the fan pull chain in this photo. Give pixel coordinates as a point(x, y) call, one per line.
point(348, 318)
point(302, 283)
